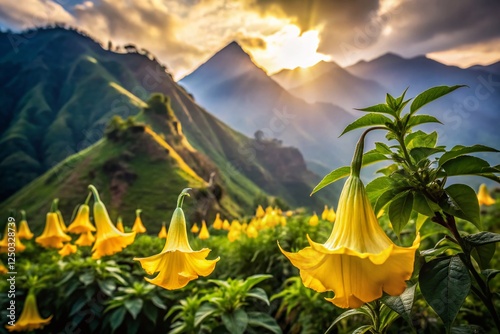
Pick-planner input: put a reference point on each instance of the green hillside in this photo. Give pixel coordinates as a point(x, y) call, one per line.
point(60, 89)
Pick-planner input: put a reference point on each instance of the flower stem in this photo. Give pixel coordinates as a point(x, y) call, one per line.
point(53, 207)
point(357, 159)
point(95, 193)
point(180, 199)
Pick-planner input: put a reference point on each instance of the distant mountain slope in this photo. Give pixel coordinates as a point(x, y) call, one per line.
point(493, 68)
point(60, 89)
point(238, 92)
point(125, 169)
point(289, 79)
point(334, 85)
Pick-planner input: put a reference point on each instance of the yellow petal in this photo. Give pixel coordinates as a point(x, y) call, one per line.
point(175, 268)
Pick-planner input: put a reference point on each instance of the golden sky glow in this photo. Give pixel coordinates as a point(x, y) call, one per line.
point(288, 48)
point(278, 34)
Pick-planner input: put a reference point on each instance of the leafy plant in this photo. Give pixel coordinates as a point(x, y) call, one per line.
point(414, 184)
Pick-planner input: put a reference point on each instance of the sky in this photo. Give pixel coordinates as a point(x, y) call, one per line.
point(278, 33)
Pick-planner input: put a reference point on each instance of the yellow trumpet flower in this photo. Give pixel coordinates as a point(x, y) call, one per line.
point(324, 214)
point(85, 239)
point(233, 235)
point(217, 222)
point(119, 225)
point(24, 229)
point(67, 250)
point(252, 231)
point(259, 213)
point(52, 236)
point(30, 318)
point(313, 221)
point(177, 264)
point(331, 215)
point(204, 231)
point(163, 232)
point(82, 223)
point(358, 261)
point(60, 218)
point(7, 242)
point(138, 226)
point(109, 240)
point(225, 225)
point(483, 196)
point(195, 228)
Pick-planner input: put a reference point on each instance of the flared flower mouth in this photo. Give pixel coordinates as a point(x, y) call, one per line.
point(30, 318)
point(108, 240)
point(359, 261)
point(177, 268)
point(53, 235)
point(82, 223)
point(177, 263)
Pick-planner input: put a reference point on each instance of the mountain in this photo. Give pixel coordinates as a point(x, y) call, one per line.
point(328, 82)
point(493, 68)
point(59, 90)
point(234, 89)
point(291, 78)
point(470, 115)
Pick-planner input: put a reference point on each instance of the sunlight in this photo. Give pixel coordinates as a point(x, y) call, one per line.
point(288, 48)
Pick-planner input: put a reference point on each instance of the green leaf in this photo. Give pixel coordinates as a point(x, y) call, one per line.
point(254, 280)
point(391, 102)
point(367, 120)
point(386, 197)
point(421, 119)
point(87, 278)
point(235, 322)
point(377, 187)
point(430, 95)
point(259, 319)
point(158, 302)
point(420, 153)
point(205, 311)
point(483, 255)
point(490, 274)
point(134, 306)
point(333, 176)
point(372, 157)
point(424, 206)
point(117, 318)
point(403, 303)
point(445, 283)
point(400, 211)
point(462, 150)
point(462, 202)
point(107, 286)
point(423, 140)
point(467, 165)
point(346, 314)
point(77, 306)
point(400, 99)
point(151, 312)
point(258, 293)
point(383, 148)
point(380, 108)
point(482, 238)
point(363, 329)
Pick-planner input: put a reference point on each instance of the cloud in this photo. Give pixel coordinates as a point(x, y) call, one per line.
point(185, 33)
point(251, 42)
point(32, 13)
